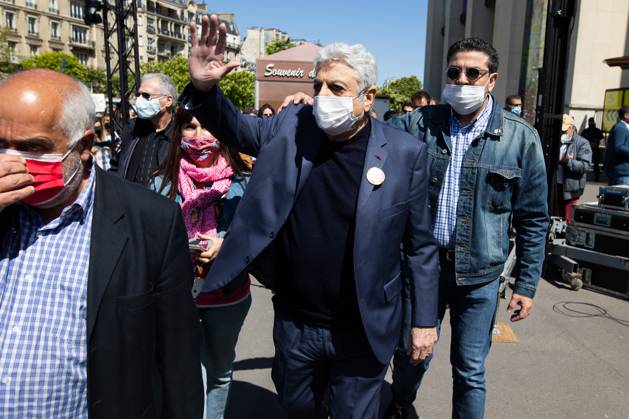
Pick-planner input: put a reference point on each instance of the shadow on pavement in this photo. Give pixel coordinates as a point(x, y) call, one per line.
point(247, 400)
point(253, 364)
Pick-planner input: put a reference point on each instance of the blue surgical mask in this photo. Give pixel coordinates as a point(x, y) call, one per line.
point(147, 108)
point(517, 110)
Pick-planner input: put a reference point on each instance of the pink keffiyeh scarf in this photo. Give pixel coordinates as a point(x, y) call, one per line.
point(202, 187)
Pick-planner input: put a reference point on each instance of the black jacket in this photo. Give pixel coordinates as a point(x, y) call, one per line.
point(137, 129)
point(143, 336)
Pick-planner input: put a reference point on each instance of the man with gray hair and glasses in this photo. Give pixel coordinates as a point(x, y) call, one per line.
point(145, 141)
point(334, 197)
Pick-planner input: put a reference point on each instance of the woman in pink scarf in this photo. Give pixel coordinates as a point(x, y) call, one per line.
point(207, 179)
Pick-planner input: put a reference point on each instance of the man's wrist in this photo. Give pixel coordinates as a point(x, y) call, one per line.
point(205, 87)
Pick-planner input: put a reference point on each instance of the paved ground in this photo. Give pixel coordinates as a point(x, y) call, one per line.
point(571, 361)
point(565, 365)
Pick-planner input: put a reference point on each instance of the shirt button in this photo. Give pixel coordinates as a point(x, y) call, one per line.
point(28, 277)
point(444, 150)
point(271, 234)
point(6, 380)
point(15, 329)
point(433, 180)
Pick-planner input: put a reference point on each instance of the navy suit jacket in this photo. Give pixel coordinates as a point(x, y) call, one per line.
point(392, 214)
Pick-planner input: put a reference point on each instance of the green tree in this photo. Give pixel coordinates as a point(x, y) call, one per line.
point(59, 61)
point(400, 90)
point(278, 45)
point(176, 68)
point(239, 87)
point(4, 45)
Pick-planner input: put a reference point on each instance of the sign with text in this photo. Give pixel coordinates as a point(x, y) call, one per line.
point(290, 71)
point(614, 100)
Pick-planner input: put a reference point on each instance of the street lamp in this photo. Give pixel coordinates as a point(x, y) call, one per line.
point(90, 12)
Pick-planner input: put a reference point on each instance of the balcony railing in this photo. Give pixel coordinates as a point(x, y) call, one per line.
point(150, 29)
point(82, 43)
point(55, 38)
point(33, 34)
point(54, 10)
point(172, 34)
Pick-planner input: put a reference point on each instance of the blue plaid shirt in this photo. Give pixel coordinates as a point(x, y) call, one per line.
point(43, 312)
point(461, 137)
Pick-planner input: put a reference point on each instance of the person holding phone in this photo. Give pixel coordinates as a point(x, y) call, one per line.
point(207, 179)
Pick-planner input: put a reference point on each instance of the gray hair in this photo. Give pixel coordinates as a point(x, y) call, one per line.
point(355, 56)
point(78, 113)
point(166, 84)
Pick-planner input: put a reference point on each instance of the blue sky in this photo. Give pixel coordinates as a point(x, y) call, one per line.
point(394, 31)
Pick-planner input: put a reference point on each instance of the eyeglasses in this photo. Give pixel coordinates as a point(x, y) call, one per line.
point(148, 96)
point(472, 73)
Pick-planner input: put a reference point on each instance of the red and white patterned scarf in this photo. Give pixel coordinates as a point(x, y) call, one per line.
point(202, 187)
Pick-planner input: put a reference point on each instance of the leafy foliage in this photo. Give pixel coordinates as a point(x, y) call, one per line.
point(239, 87)
point(400, 91)
point(176, 68)
point(4, 45)
point(278, 45)
point(59, 61)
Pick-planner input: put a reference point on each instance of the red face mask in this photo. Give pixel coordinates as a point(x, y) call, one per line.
point(47, 169)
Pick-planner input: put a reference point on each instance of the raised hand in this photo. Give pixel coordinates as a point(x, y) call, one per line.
point(206, 61)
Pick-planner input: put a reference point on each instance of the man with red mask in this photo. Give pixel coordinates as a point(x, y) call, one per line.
point(96, 317)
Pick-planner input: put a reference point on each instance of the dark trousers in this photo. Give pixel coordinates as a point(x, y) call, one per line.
point(316, 370)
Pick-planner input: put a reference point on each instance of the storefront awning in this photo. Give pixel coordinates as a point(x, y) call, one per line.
point(622, 62)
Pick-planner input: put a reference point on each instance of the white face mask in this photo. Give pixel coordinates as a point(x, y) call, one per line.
point(147, 108)
point(463, 98)
point(334, 114)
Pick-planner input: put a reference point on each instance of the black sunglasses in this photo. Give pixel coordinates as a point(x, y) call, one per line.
point(472, 74)
point(148, 96)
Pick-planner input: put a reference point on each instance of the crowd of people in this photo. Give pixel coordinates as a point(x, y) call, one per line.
point(125, 282)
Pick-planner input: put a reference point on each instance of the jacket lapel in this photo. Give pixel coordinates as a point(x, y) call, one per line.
point(108, 241)
point(375, 157)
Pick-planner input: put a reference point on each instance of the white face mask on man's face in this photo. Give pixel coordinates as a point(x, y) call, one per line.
point(464, 99)
point(335, 114)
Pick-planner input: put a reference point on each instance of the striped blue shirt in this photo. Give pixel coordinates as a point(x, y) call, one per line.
point(43, 312)
point(461, 137)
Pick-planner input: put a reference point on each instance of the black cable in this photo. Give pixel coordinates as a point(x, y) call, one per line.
point(564, 308)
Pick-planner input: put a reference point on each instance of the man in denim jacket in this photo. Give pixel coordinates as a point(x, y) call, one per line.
point(486, 172)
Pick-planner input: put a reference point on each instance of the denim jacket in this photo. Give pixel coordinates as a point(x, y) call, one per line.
point(503, 180)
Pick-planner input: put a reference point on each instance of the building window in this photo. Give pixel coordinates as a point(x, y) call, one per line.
point(34, 50)
point(31, 3)
point(76, 10)
point(54, 30)
point(9, 19)
point(32, 25)
point(79, 35)
point(83, 57)
point(53, 6)
point(12, 54)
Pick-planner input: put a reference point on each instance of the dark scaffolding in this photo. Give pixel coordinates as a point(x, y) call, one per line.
point(552, 87)
point(122, 58)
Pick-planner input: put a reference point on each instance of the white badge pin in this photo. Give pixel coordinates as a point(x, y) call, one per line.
point(375, 176)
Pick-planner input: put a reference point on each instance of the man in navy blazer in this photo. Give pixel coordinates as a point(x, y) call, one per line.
point(617, 156)
point(334, 197)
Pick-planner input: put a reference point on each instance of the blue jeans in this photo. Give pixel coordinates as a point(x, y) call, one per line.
point(314, 365)
point(221, 326)
point(472, 313)
point(618, 180)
